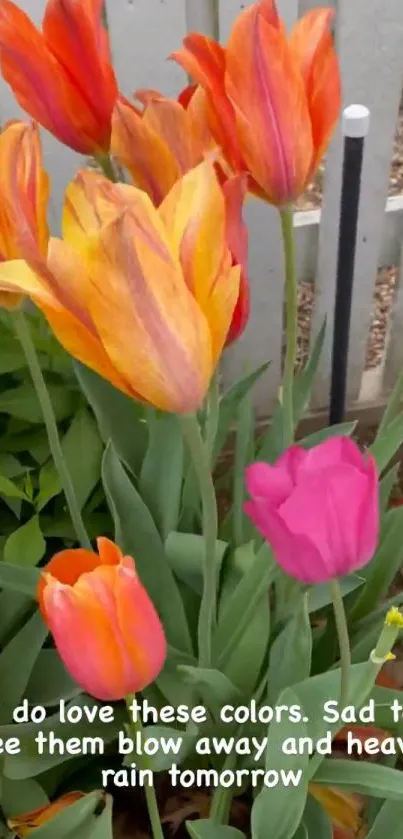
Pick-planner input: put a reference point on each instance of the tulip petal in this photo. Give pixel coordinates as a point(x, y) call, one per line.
point(24, 193)
point(332, 452)
point(312, 45)
point(150, 325)
point(66, 567)
point(139, 624)
point(320, 506)
point(295, 554)
point(265, 86)
point(270, 483)
point(195, 217)
point(75, 34)
point(81, 620)
point(49, 89)
point(73, 329)
point(369, 521)
point(204, 59)
point(343, 808)
point(144, 152)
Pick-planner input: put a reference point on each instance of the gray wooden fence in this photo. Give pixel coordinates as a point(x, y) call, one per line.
point(369, 36)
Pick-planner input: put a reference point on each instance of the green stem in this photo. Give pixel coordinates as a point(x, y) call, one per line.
point(151, 798)
point(213, 408)
point(244, 429)
point(344, 641)
point(222, 798)
point(24, 335)
point(201, 461)
point(106, 164)
point(287, 229)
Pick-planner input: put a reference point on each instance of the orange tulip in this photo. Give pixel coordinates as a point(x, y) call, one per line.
point(62, 76)
point(103, 622)
point(143, 296)
point(25, 824)
point(160, 144)
point(273, 101)
point(24, 191)
point(161, 141)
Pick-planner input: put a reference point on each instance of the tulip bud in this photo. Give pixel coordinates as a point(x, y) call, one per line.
point(103, 622)
point(318, 509)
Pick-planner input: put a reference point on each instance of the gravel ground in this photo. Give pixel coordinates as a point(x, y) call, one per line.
point(386, 278)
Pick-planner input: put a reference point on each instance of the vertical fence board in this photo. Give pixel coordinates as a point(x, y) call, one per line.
point(202, 16)
point(262, 340)
point(143, 34)
point(369, 37)
point(60, 162)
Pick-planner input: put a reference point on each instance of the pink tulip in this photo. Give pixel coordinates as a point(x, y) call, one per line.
point(318, 509)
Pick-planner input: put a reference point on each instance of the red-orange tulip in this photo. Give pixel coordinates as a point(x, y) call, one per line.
point(103, 622)
point(24, 192)
point(143, 296)
point(62, 76)
point(24, 825)
point(273, 101)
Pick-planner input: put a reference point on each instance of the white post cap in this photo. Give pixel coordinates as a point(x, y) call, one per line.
point(356, 121)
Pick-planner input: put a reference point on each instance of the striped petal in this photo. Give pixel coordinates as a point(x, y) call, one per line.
point(311, 43)
point(266, 88)
point(143, 151)
point(151, 327)
point(195, 217)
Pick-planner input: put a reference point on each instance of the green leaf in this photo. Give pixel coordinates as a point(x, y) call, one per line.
point(316, 821)
point(388, 821)
point(208, 829)
point(361, 777)
point(17, 661)
point(22, 402)
point(70, 822)
point(282, 806)
point(120, 419)
point(49, 681)
point(24, 580)
point(82, 448)
point(213, 687)
point(385, 486)
point(387, 442)
point(10, 489)
point(229, 405)
point(160, 482)
point(138, 536)
point(19, 797)
point(26, 546)
point(344, 429)
point(161, 762)
point(382, 570)
point(304, 380)
point(185, 553)
point(291, 653)
point(320, 596)
point(240, 608)
point(244, 454)
point(28, 764)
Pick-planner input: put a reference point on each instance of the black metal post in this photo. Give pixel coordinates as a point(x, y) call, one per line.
point(355, 128)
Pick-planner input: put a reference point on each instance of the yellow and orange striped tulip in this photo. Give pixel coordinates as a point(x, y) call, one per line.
point(273, 100)
point(161, 141)
point(62, 76)
point(24, 192)
point(24, 825)
point(104, 625)
point(143, 296)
